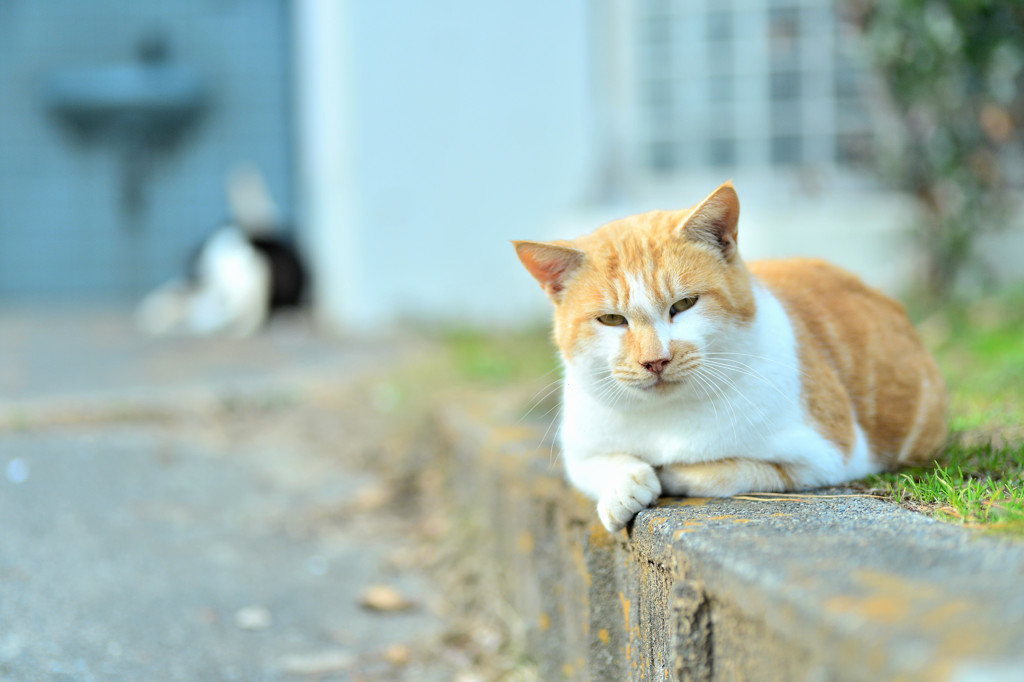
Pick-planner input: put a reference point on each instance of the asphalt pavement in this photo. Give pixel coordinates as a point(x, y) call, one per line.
point(201, 509)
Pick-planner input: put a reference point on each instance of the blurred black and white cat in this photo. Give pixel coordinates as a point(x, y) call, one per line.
point(241, 274)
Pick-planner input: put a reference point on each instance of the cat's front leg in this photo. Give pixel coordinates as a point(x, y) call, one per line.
point(621, 484)
point(725, 477)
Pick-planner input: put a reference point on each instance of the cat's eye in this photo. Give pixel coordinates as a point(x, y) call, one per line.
point(612, 319)
point(682, 304)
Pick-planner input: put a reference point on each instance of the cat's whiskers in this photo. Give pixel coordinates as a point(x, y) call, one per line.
point(550, 389)
point(702, 385)
point(745, 369)
point(736, 389)
point(723, 365)
point(618, 377)
point(734, 420)
point(552, 456)
point(551, 409)
point(605, 385)
point(556, 367)
point(679, 374)
point(787, 365)
point(613, 390)
point(717, 390)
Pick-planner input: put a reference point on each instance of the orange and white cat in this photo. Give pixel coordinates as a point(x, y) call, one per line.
point(688, 372)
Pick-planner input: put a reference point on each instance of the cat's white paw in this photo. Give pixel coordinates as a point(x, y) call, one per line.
point(636, 487)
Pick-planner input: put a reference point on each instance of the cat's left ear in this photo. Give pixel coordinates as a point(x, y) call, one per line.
point(714, 221)
point(550, 263)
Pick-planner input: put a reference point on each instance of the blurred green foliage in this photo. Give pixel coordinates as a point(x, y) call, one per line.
point(954, 74)
point(979, 345)
point(499, 358)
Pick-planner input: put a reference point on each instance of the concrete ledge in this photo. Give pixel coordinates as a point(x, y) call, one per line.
point(841, 588)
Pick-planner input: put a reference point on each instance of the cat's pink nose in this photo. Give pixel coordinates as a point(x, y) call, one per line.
point(657, 366)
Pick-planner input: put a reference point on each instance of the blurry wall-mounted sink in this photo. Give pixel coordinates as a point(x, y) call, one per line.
point(138, 108)
point(157, 101)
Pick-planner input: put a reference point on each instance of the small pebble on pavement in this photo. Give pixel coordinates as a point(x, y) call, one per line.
point(254, 618)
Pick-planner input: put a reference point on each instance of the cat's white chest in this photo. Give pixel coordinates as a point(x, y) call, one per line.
point(676, 431)
point(748, 397)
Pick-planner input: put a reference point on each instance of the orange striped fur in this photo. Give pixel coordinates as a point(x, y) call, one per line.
point(861, 360)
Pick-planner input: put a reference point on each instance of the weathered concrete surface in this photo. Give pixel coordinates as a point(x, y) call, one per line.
point(856, 588)
point(136, 553)
point(844, 588)
point(191, 509)
point(74, 364)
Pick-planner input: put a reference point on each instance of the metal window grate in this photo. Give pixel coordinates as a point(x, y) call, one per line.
point(727, 83)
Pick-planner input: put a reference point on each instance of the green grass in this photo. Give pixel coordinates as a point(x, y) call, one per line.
point(978, 479)
point(980, 485)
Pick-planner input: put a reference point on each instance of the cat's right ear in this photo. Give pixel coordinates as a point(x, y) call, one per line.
point(713, 222)
point(552, 265)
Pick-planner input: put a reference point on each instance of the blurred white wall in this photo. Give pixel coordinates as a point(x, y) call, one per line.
point(429, 135)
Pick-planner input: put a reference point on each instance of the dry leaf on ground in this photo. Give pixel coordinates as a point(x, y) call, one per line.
point(384, 598)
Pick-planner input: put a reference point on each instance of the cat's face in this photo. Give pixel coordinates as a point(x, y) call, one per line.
point(642, 302)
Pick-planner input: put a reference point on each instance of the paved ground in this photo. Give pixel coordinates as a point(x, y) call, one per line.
point(198, 510)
